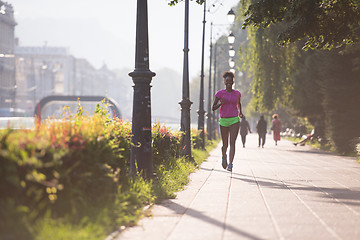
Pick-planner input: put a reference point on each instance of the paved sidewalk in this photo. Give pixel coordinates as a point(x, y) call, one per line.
point(278, 192)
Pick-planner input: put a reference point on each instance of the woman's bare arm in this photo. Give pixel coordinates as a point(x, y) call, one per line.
point(215, 104)
point(240, 110)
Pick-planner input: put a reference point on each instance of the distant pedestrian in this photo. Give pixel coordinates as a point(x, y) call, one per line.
point(244, 130)
point(307, 138)
point(228, 100)
point(276, 128)
point(261, 128)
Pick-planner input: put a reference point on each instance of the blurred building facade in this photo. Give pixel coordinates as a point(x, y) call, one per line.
point(30, 73)
point(7, 61)
point(45, 71)
point(40, 72)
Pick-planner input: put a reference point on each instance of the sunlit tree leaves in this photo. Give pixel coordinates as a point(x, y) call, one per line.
point(174, 2)
point(324, 24)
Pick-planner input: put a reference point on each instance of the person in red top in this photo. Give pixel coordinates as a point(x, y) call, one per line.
point(276, 128)
point(228, 100)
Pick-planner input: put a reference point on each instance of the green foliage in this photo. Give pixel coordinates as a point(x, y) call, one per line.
point(307, 95)
point(326, 90)
point(171, 170)
point(196, 138)
point(60, 167)
point(322, 24)
point(166, 144)
point(174, 2)
point(201, 155)
point(340, 86)
point(63, 230)
point(102, 109)
point(322, 86)
point(13, 222)
point(69, 178)
point(130, 201)
point(270, 66)
point(172, 176)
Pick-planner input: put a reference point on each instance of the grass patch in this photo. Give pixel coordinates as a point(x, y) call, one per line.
point(174, 175)
point(63, 230)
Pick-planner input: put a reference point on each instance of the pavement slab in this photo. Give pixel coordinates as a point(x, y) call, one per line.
point(275, 192)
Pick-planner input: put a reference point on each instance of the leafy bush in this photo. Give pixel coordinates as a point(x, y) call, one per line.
point(196, 138)
point(73, 173)
point(62, 166)
point(166, 144)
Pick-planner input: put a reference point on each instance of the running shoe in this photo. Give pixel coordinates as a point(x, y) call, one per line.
point(229, 168)
point(224, 162)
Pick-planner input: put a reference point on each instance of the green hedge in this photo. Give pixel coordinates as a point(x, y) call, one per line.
point(75, 170)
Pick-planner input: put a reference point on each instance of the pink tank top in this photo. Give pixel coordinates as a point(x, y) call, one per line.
point(230, 106)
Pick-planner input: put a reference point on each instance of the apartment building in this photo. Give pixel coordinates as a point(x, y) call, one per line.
point(42, 71)
point(7, 61)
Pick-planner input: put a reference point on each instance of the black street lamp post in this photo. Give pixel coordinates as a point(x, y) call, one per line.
point(214, 116)
point(141, 118)
point(201, 111)
point(185, 102)
point(209, 113)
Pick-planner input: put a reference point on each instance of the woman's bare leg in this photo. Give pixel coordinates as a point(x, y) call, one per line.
point(234, 131)
point(225, 140)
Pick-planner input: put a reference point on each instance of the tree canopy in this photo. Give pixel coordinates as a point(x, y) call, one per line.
point(321, 86)
point(324, 24)
point(173, 2)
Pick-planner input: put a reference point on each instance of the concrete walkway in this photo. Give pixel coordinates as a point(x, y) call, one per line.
point(278, 192)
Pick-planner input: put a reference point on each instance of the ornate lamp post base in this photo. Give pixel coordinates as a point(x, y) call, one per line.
point(141, 123)
point(185, 128)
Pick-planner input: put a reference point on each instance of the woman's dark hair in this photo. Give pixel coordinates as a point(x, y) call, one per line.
point(228, 74)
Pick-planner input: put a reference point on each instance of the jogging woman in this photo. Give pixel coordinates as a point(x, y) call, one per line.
point(228, 100)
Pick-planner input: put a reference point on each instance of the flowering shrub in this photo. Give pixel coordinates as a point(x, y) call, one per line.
point(62, 164)
point(166, 144)
point(71, 166)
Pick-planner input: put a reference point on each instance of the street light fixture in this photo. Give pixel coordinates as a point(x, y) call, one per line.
point(231, 38)
point(231, 63)
point(231, 16)
point(231, 51)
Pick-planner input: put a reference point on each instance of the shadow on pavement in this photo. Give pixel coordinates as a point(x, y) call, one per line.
point(341, 194)
point(312, 151)
point(179, 209)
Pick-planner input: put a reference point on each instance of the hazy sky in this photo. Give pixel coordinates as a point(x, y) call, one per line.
point(104, 31)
